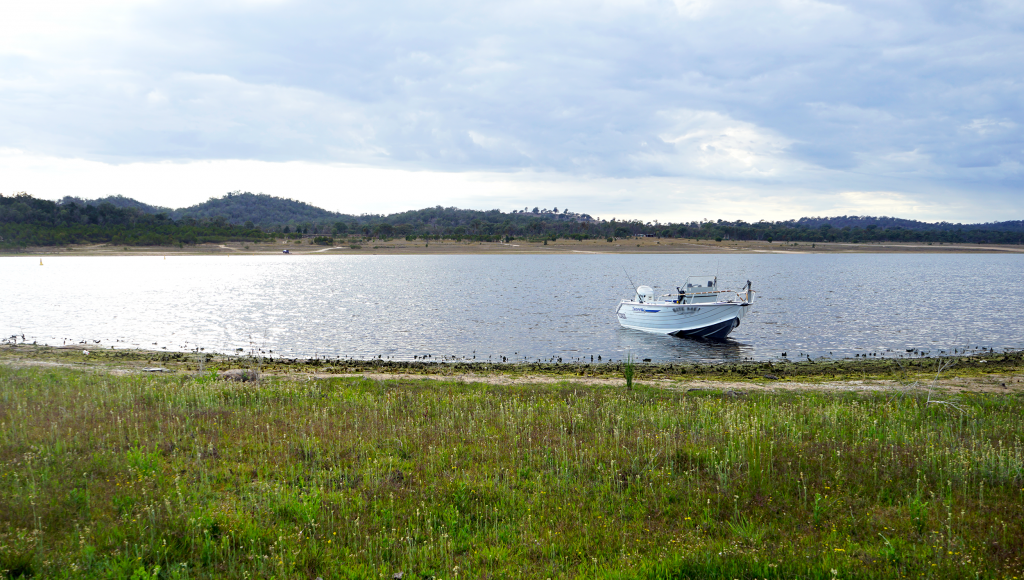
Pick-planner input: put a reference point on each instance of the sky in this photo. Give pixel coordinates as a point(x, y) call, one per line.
point(676, 111)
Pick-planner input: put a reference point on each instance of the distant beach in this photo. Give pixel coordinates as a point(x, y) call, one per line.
point(618, 246)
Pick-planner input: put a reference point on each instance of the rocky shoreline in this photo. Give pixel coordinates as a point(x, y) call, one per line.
point(1006, 369)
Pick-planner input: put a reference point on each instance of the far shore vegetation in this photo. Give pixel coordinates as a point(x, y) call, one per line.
point(320, 468)
point(26, 221)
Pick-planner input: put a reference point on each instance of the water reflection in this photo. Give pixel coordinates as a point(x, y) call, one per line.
point(509, 307)
point(688, 349)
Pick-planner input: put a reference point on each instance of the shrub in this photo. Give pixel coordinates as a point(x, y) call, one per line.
point(628, 370)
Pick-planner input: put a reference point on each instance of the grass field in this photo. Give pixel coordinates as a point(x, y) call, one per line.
point(106, 475)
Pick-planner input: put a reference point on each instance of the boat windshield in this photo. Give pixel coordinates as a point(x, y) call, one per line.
point(701, 284)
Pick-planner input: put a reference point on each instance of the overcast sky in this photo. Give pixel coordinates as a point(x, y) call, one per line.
point(680, 110)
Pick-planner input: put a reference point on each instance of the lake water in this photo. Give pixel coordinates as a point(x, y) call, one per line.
point(520, 307)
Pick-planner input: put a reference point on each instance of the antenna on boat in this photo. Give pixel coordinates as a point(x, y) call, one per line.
point(630, 280)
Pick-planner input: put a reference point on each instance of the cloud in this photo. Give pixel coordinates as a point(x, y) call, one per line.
point(710, 144)
point(917, 98)
point(987, 126)
point(887, 203)
point(357, 189)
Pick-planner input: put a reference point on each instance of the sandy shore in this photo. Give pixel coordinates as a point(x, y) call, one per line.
point(619, 246)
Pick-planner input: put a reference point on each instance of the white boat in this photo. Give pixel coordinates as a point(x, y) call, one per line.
point(696, 310)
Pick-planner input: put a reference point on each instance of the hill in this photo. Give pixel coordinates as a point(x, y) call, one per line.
point(237, 208)
point(269, 212)
point(287, 217)
point(118, 201)
point(28, 221)
point(275, 213)
point(913, 225)
point(264, 211)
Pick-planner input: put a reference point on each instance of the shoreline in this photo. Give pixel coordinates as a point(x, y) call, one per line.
point(517, 247)
point(992, 372)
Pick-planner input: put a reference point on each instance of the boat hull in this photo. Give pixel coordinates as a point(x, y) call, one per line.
point(714, 332)
point(706, 321)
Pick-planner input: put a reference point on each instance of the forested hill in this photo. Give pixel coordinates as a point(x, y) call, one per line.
point(898, 223)
point(269, 212)
point(25, 220)
point(118, 201)
point(264, 211)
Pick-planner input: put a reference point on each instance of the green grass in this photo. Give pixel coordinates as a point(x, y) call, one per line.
point(108, 476)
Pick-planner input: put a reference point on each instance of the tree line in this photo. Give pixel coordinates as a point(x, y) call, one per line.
point(28, 221)
point(238, 216)
point(457, 224)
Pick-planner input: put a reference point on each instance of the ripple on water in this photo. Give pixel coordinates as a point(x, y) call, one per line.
point(518, 307)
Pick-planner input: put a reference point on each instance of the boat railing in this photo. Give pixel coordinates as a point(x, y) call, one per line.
point(720, 295)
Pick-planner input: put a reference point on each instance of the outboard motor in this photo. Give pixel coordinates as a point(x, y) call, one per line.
point(750, 293)
point(644, 294)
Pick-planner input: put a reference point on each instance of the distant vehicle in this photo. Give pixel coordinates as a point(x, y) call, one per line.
point(697, 310)
point(286, 251)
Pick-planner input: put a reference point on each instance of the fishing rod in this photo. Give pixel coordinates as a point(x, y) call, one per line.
point(630, 280)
